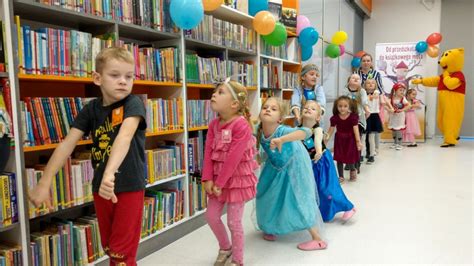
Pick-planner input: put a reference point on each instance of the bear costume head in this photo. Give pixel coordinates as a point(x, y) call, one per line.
point(452, 60)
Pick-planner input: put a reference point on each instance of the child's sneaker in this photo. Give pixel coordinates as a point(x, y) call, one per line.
point(341, 180)
point(398, 147)
point(393, 146)
point(232, 263)
point(371, 160)
point(222, 257)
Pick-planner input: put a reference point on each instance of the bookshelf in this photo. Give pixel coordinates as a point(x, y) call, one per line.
point(36, 15)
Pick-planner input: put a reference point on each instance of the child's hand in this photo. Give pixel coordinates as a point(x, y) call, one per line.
point(298, 119)
point(276, 143)
point(367, 114)
point(317, 156)
point(217, 190)
point(208, 185)
point(107, 186)
point(359, 145)
point(39, 195)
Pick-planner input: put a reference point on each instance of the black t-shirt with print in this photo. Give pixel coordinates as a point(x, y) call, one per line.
point(104, 122)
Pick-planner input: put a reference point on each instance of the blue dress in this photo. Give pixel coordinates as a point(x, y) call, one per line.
point(286, 195)
point(331, 197)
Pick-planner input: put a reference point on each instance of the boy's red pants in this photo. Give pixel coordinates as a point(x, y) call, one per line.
point(120, 225)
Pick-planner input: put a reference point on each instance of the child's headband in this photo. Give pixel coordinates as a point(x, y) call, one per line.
point(309, 68)
point(226, 82)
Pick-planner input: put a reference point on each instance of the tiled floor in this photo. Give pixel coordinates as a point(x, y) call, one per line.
point(414, 206)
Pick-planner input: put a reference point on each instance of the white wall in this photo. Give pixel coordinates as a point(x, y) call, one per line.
point(405, 21)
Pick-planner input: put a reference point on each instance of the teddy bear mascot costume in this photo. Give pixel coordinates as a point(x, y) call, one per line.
point(451, 92)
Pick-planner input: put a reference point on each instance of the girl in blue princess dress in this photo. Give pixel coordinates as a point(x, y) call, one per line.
point(286, 192)
point(331, 197)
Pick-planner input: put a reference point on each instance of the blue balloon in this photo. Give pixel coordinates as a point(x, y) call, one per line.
point(421, 47)
point(186, 14)
point(306, 52)
point(355, 62)
point(308, 37)
point(256, 6)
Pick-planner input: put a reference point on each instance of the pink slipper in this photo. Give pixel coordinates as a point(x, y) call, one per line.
point(313, 245)
point(348, 215)
point(269, 237)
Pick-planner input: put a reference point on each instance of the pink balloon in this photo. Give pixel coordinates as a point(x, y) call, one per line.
point(301, 23)
point(342, 48)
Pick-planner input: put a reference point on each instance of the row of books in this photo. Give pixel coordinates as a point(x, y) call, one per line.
point(196, 152)
point(162, 207)
point(199, 113)
point(47, 120)
point(8, 199)
point(149, 13)
point(287, 51)
point(162, 114)
point(224, 33)
point(245, 73)
point(3, 49)
point(158, 64)
point(72, 185)
point(66, 242)
point(10, 255)
point(197, 194)
point(290, 80)
point(164, 161)
point(203, 70)
point(269, 76)
point(6, 114)
point(49, 51)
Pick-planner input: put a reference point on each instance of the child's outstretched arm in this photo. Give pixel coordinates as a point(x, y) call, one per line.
point(293, 136)
point(118, 152)
point(318, 138)
point(40, 193)
point(329, 135)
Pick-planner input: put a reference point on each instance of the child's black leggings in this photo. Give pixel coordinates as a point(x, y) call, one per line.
point(340, 168)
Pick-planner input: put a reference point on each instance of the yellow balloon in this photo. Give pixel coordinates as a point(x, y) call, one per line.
point(432, 51)
point(264, 22)
point(211, 5)
point(339, 37)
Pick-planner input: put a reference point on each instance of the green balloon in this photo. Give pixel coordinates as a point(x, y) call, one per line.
point(278, 36)
point(333, 50)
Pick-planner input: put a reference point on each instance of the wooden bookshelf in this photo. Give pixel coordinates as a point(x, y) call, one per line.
point(200, 86)
point(87, 142)
point(198, 128)
point(63, 79)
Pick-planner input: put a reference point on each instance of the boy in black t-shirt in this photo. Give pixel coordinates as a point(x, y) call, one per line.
point(117, 125)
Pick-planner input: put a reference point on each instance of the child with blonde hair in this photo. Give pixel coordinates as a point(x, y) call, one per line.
point(228, 173)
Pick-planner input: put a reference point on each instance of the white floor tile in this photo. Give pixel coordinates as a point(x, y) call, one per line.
point(414, 206)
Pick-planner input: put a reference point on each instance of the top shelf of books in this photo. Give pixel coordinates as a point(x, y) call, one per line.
point(232, 15)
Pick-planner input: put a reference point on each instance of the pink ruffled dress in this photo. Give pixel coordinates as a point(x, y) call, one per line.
point(229, 160)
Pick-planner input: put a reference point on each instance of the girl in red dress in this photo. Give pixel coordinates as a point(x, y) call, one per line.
point(347, 142)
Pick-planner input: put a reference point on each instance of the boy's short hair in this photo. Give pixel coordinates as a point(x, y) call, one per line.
point(117, 53)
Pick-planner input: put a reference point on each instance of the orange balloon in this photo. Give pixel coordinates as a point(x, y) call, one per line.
point(211, 5)
point(432, 51)
point(359, 54)
point(264, 22)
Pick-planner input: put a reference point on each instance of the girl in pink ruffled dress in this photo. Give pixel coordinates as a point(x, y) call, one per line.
point(413, 126)
point(228, 172)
